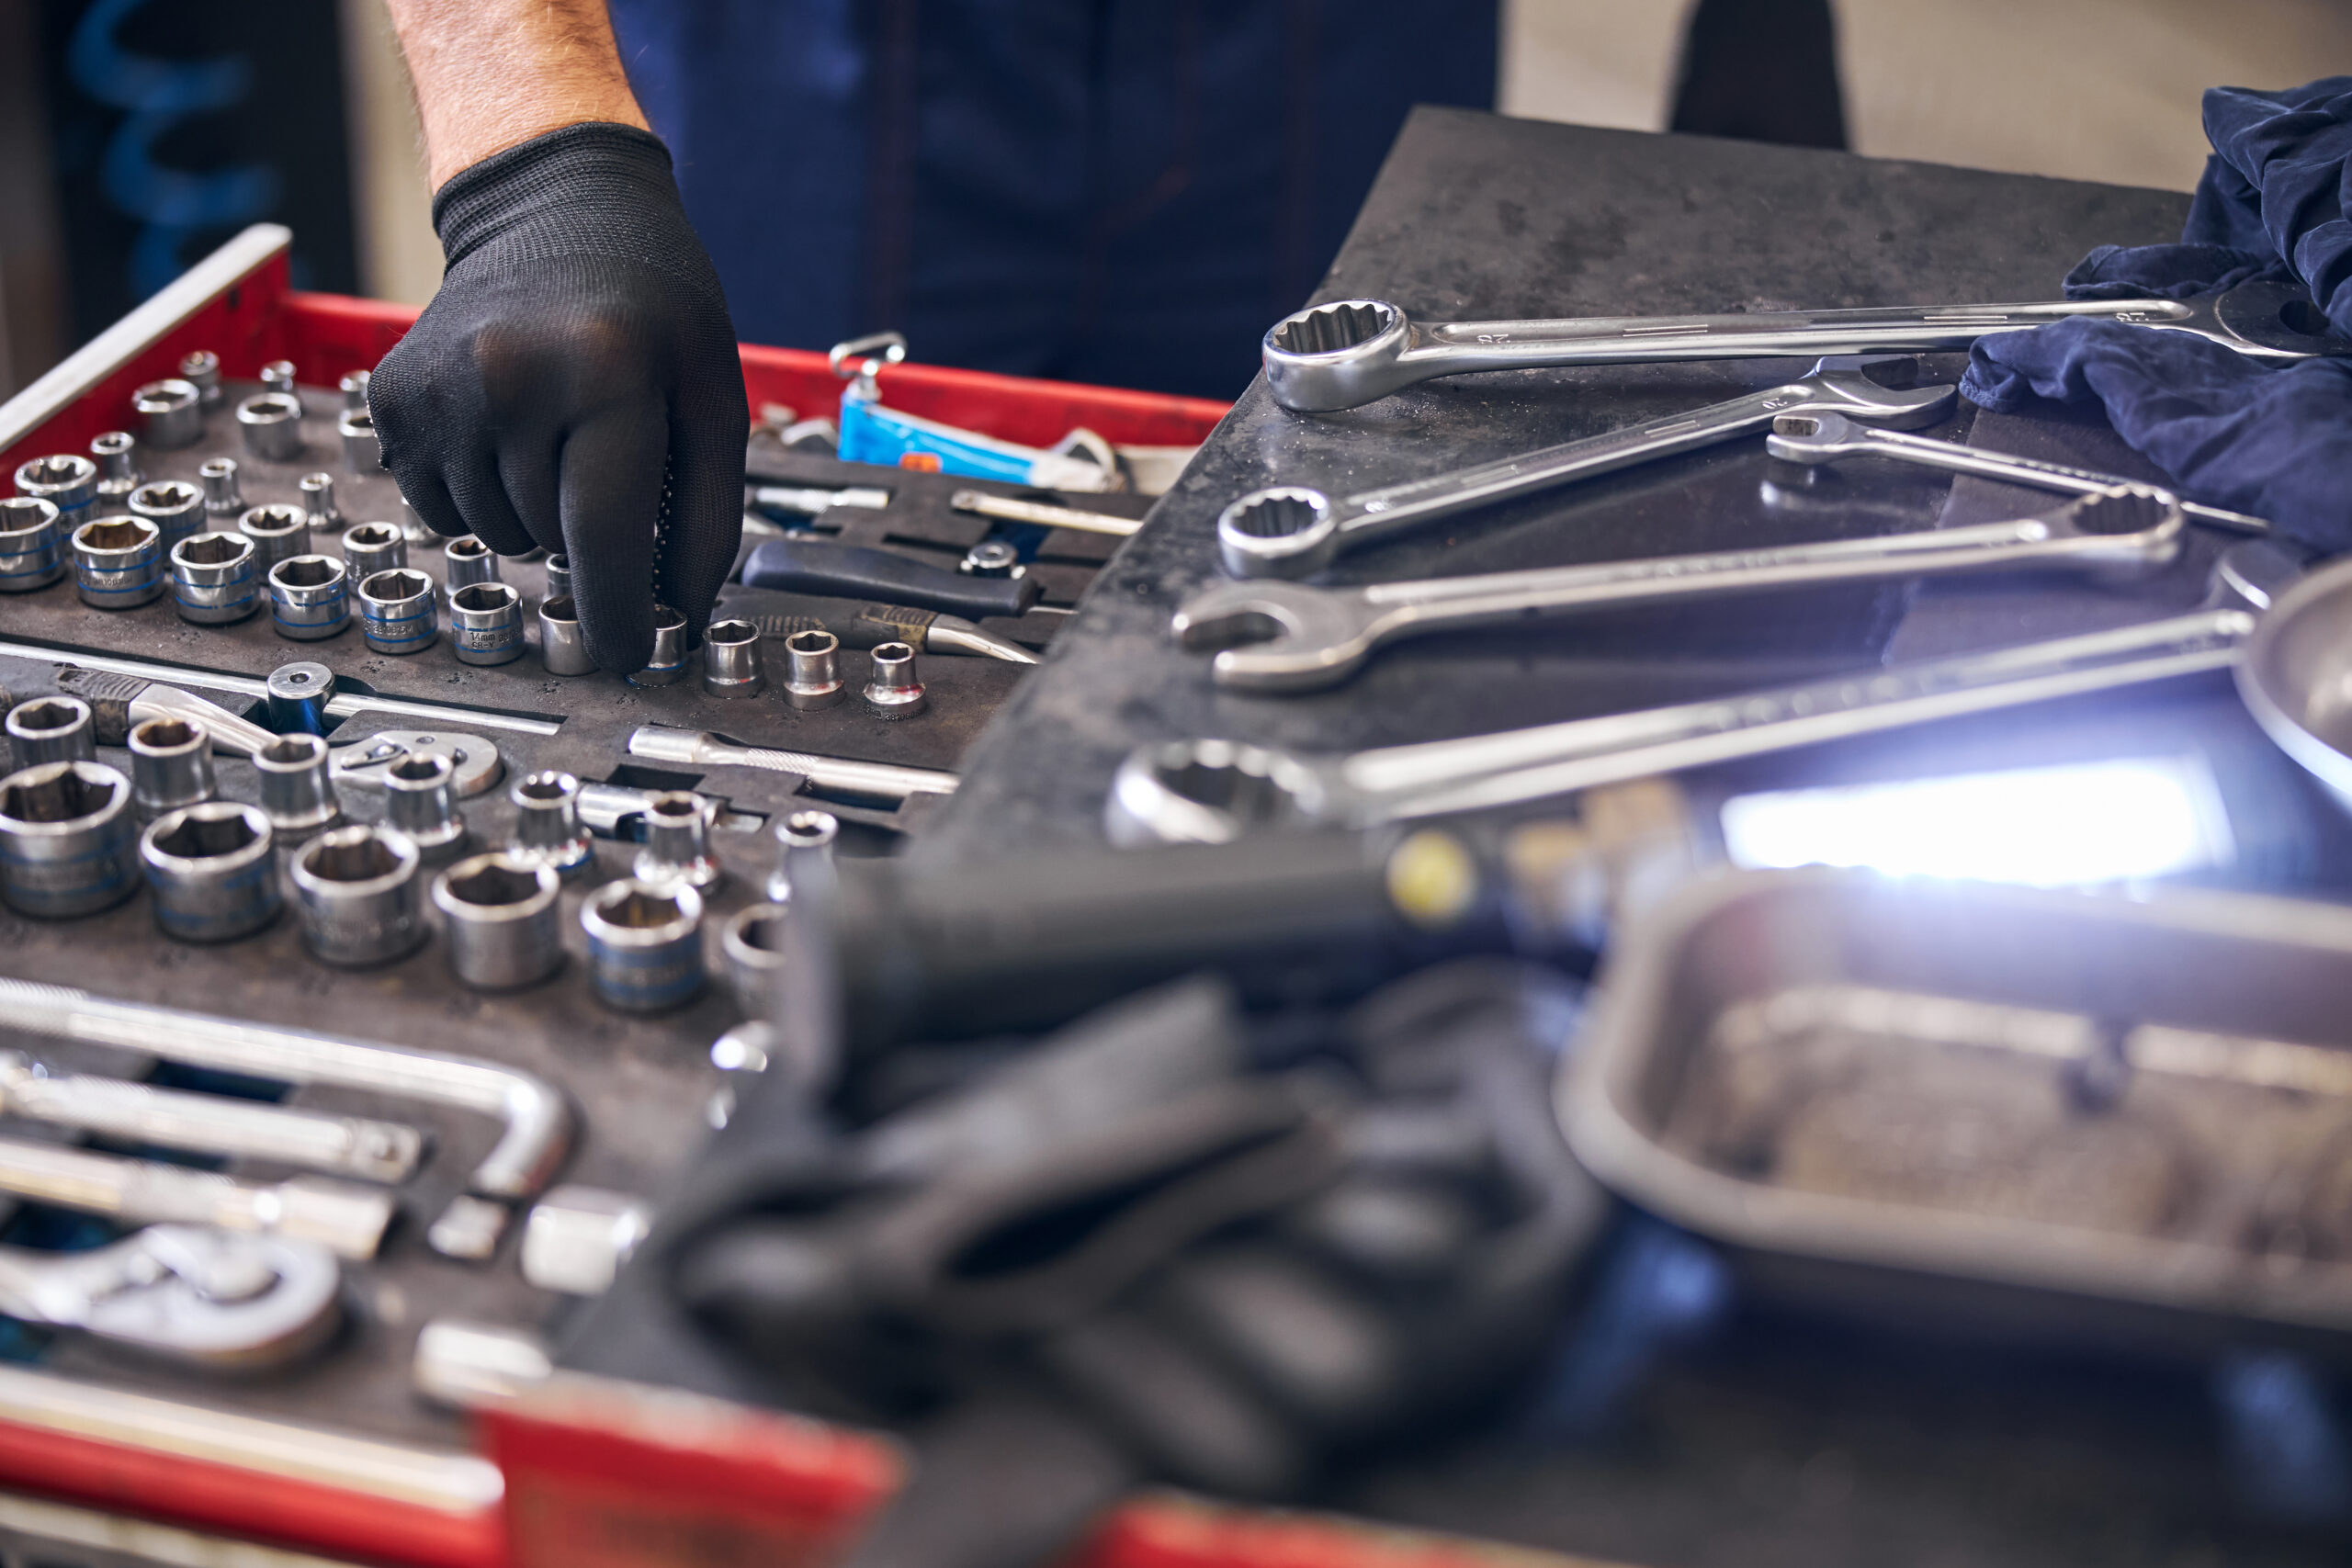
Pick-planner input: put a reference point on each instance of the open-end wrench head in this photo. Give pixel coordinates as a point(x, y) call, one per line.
point(1282, 531)
point(1337, 355)
point(2277, 320)
point(1207, 792)
point(1822, 435)
point(1880, 389)
point(1276, 636)
point(2253, 573)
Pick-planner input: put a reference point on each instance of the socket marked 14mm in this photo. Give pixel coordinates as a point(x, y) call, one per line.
point(396, 611)
point(486, 623)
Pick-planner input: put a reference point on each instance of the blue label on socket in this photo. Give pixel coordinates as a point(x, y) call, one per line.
point(321, 618)
point(256, 900)
point(645, 980)
point(132, 584)
point(411, 629)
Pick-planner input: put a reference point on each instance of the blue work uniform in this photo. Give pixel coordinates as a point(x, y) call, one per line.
point(1118, 191)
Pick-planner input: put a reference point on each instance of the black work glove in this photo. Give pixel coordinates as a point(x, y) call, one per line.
point(574, 385)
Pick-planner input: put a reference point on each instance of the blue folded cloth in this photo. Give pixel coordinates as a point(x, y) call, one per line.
point(2275, 201)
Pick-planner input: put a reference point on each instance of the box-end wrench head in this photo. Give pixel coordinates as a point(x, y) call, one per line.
point(190, 1293)
point(1826, 437)
point(1296, 530)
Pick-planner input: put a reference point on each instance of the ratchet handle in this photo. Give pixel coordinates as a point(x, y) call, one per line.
point(860, 571)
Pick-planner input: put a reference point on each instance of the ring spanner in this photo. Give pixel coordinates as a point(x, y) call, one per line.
point(189, 1293)
point(1216, 791)
point(1301, 636)
point(1352, 351)
point(1291, 530)
point(1826, 437)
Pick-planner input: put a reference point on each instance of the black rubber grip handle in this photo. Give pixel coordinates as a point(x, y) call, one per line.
point(859, 571)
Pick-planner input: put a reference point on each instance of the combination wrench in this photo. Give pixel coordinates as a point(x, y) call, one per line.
point(1352, 351)
point(1296, 637)
point(1217, 791)
point(348, 1220)
point(1294, 530)
point(191, 1293)
point(1817, 439)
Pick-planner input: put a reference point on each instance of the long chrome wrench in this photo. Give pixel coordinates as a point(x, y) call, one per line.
point(1296, 530)
point(1299, 637)
point(1352, 351)
point(1214, 790)
point(209, 1124)
point(1826, 437)
point(662, 744)
point(348, 1220)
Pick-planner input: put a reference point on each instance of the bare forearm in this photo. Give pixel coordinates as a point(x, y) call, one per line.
point(491, 73)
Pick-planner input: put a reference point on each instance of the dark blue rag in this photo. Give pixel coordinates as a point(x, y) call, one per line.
point(2275, 201)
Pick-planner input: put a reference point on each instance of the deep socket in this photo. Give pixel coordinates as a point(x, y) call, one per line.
point(318, 501)
point(215, 580)
point(118, 562)
point(69, 845)
point(297, 694)
point(175, 507)
point(669, 660)
point(356, 890)
point(894, 687)
point(486, 624)
point(362, 452)
point(279, 530)
point(396, 611)
point(563, 647)
point(67, 481)
point(116, 452)
point(354, 386)
point(212, 871)
point(421, 801)
point(310, 598)
point(297, 788)
point(277, 376)
point(548, 829)
point(272, 425)
point(52, 730)
point(224, 495)
point(501, 919)
point(171, 765)
point(752, 945)
point(371, 548)
point(559, 577)
point(813, 669)
point(171, 411)
point(201, 370)
point(732, 665)
point(32, 545)
point(804, 849)
point(677, 841)
point(466, 560)
point(644, 944)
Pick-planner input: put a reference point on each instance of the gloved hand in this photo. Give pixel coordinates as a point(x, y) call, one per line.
point(574, 385)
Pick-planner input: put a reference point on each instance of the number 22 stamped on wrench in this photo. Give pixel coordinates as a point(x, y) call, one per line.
point(1294, 530)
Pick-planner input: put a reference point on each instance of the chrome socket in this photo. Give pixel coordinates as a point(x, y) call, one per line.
point(116, 455)
point(894, 688)
point(421, 801)
point(176, 509)
point(362, 452)
point(677, 841)
point(201, 370)
point(212, 872)
point(32, 545)
point(501, 916)
point(559, 577)
point(644, 944)
point(69, 845)
point(486, 624)
point(354, 386)
point(215, 579)
point(118, 562)
point(52, 730)
point(804, 851)
point(731, 663)
point(297, 787)
point(279, 532)
point(277, 376)
point(310, 598)
point(563, 647)
point(466, 560)
point(396, 611)
point(752, 945)
point(813, 669)
point(371, 548)
point(355, 891)
point(318, 501)
point(668, 664)
point(67, 481)
point(548, 829)
point(172, 412)
point(272, 425)
point(296, 694)
point(224, 496)
point(171, 765)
